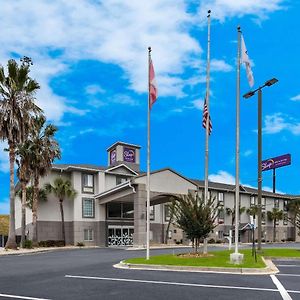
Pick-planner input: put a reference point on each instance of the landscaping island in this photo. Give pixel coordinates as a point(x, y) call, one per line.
point(215, 259)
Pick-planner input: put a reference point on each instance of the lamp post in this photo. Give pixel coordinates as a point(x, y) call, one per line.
point(259, 153)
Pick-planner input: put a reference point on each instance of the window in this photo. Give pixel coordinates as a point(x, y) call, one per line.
point(263, 203)
point(263, 218)
point(88, 234)
point(221, 216)
point(167, 212)
point(285, 219)
point(117, 210)
point(252, 201)
point(221, 199)
point(121, 179)
point(88, 208)
point(87, 183)
point(152, 213)
point(285, 205)
point(276, 203)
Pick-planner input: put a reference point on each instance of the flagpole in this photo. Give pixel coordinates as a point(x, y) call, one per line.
point(236, 257)
point(148, 165)
point(207, 122)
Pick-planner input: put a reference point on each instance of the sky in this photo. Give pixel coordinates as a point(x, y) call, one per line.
point(91, 60)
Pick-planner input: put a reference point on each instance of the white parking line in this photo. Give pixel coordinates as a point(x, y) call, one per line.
point(293, 275)
point(283, 292)
point(173, 283)
point(293, 266)
point(21, 297)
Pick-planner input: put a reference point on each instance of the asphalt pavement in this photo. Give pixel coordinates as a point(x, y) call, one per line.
point(89, 274)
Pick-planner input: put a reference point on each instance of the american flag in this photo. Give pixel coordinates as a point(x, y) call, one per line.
point(204, 118)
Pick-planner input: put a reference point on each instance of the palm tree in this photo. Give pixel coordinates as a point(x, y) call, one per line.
point(17, 107)
point(231, 212)
point(61, 188)
point(42, 197)
point(44, 149)
point(294, 210)
point(275, 215)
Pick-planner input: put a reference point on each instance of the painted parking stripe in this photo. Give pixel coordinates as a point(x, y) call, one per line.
point(292, 266)
point(21, 297)
point(173, 283)
point(283, 292)
point(293, 275)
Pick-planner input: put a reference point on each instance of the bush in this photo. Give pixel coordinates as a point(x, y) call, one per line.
point(283, 240)
point(28, 244)
point(80, 244)
point(218, 241)
point(51, 243)
point(211, 241)
point(290, 239)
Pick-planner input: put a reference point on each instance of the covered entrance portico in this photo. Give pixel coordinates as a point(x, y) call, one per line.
point(128, 225)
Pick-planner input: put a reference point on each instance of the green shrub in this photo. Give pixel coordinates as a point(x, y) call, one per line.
point(80, 244)
point(28, 244)
point(218, 241)
point(290, 239)
point(51, 243)
point(211, 241)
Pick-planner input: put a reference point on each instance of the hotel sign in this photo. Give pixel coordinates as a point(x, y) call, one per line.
point(276, 162)
point(129, 155)
point(113, 156)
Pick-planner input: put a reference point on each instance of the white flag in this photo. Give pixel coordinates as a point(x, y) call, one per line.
point(246, 61)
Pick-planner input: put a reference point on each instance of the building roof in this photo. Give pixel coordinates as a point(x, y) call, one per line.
point(4, 224)
point(85, 167)
point(243, 189)
point(124, 144)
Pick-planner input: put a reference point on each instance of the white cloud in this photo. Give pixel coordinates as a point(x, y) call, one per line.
point(220, 66)
point(94, 89)
point(4, 206)
point(223, 9)
point(278, 122)
point(58, 33)
point(198, 104)
point(247, 153)
point(222, 177)
point(296, 98)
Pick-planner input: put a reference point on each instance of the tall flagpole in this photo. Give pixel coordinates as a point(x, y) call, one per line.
point(148, 164)
point(236, 257)
point(207, 121)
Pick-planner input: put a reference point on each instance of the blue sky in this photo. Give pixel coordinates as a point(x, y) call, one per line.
point(90, 58)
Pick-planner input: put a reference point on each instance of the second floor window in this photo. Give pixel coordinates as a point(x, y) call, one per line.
point(285, 205)
point(88, 183)
point(252, 201)
point(276, 203)
point(221, 199)
point(263, 203)
point(88, 208)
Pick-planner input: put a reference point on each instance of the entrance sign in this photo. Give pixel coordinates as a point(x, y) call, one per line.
point(276, 162)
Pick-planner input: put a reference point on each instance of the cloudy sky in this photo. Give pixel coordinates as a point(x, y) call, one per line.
point(90, 57)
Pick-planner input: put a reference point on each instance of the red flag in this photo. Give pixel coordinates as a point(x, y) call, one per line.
point(152, 85)
point(204, 118)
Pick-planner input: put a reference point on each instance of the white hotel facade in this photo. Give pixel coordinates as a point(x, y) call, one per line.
point(110, 205)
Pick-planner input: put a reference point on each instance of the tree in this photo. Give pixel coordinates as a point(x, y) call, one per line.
point(275, 215)
point(195, 217)
point(61, 188)
point(170, 208)
point(17, 107)
point(44, 149)
point(42, 197)
point(231, 212)
point(294, 210)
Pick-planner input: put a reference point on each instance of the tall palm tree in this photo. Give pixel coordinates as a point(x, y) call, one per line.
point(44, 150)
point(24, 172)
point(62, 189)
point(294, 210)
point(17, 106)
point(231, 212)
point(42, 197)
point(275, 215)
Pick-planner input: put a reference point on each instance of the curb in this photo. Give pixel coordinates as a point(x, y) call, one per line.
point(268, 270)
point(40, 250)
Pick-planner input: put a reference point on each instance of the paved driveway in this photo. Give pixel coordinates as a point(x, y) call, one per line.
point(89, 274)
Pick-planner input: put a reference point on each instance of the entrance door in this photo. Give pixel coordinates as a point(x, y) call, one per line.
point(120, 236)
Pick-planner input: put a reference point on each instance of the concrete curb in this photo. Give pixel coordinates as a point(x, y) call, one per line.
point(41, 250)
point(270, 269)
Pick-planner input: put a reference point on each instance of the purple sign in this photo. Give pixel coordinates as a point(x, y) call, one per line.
point(276, 162)
point(113, 156)
point(129, 155)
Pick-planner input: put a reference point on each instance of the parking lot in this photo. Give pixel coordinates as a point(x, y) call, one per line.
point(89, 274)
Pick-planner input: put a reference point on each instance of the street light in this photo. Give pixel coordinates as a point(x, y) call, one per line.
point(259, 153)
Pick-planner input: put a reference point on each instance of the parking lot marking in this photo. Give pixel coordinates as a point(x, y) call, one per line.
point(21, 297)
point(293, 266)
point(283, 292)
point(293, 275)
point(173, 283)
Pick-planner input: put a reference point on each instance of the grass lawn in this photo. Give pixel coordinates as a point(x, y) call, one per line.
point(219, 259)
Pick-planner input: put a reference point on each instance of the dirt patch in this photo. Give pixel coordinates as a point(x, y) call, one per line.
point(194, 255)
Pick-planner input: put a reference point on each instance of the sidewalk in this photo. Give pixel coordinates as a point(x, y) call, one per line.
point(22, 251)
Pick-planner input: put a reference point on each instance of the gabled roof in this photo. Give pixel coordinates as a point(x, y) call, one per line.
point(124, 144)
point(114, 168)
point(82, 167)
